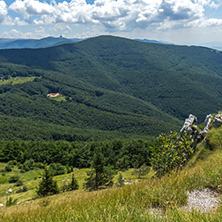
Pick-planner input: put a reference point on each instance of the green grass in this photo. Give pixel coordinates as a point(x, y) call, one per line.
point(150, 199)
point(17, 80)
point(31, 180)
point(147, 199)
point(59, 98)
point(214, 138)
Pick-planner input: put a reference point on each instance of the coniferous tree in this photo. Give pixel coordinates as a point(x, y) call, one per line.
point(99, 177)
point(74, 184)
point(47, 185)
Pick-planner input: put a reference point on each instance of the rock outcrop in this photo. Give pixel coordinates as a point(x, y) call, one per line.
point(207, 125)
point(217, 121)
point(190, 126)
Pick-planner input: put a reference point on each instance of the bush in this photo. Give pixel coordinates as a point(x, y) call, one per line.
point(13, 179)
point(39, 165)
point(57, 169)
point(8, 168)
point(69, 169)
point(142, 171)
point(22, 189)
point(171, 153)
point(12, 163)
point(28, 164)
point(18, 183)
point(20, 166)
point(123, 163)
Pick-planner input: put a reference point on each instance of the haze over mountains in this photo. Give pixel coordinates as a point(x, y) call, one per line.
point(49, 42)
point(111, 87)
point(213, 45)
point(34, 43)
point(55, 41)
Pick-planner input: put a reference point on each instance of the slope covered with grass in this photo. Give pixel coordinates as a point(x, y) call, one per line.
point(151, 200)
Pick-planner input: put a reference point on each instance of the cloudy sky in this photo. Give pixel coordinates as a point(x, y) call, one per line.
point(176, 21)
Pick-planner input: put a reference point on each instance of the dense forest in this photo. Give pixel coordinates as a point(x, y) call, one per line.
point(118, 154)
point(109, 88)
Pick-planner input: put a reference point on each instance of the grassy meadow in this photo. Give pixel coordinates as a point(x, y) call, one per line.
point(32, 178)
point(150, 199)
point(17, 80)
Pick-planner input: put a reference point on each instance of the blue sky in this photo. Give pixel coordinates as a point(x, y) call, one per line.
point(176, 21)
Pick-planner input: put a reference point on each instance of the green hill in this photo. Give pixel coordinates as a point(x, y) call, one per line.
point(150, 199)
point(111, 84)
point(84, 112)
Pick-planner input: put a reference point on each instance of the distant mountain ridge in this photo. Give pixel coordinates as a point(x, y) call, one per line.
point(154, 41)
point(50, 42)
point(35, 43)
point(10, 43)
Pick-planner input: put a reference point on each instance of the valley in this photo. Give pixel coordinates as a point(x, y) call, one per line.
point(89, 131)
point(142, 88)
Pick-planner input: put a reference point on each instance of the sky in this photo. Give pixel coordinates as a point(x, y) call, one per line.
point(175, 21)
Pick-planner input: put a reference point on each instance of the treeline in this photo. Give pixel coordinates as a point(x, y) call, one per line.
point(119, 154)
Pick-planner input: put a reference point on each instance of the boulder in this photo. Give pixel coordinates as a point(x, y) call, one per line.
point(217, 121)
point(188, 125)
point(207, 126)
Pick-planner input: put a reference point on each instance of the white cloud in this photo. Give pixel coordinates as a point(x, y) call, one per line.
point(3, 11)
point(29, 8)
point(118, 15)
point(14, 33)
point(60, 27)
point(209, 3)
point(205, 23)
point(8, 21)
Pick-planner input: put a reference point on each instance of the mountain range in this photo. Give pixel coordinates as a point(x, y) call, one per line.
point(34, 43)
point(49, 42)
point(55, 41)
point(108, 88)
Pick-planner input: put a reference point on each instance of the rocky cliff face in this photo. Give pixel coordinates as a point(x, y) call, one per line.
point(190, 126)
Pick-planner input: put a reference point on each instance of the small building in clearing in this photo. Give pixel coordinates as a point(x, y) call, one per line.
point(54, 94)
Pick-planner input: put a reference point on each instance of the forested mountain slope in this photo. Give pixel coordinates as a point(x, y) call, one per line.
point(82, 112)
point(111, 84)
